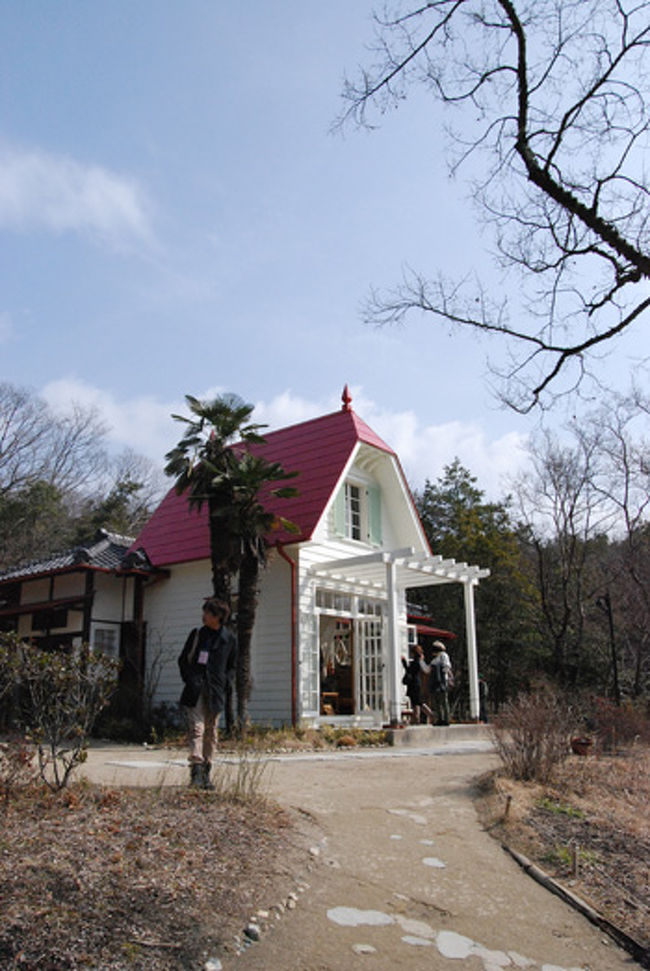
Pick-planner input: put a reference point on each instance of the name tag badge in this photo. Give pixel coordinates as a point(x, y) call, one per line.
point(203, 657)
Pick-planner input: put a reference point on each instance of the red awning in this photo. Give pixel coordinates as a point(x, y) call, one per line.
point(434, 631)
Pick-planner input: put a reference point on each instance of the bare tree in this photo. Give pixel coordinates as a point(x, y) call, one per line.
point(556, 118)
point(563, 514)
point(58, 484)
point(585, 501)
point(625, 486)
point(37, 446)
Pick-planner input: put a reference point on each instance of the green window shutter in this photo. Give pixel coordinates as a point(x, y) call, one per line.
point(374, 515)
point(339, 512)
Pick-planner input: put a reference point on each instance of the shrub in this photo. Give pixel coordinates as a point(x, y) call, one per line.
point(9, 661)
point(64, 694)
point(617, 725)
point(531, 734)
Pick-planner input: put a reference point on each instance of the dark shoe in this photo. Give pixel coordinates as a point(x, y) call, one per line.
point(196, 775)
point(205, 776)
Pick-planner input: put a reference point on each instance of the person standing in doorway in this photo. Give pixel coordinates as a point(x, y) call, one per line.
point(440, 677)
point(411, 680)
point(207, 666)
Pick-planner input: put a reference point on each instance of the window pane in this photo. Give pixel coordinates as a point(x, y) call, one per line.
point(105, 640)
point(353, 511)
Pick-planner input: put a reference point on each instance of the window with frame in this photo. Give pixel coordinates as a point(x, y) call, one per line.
point(352, 511)
point(357, 513)
point(106, 640)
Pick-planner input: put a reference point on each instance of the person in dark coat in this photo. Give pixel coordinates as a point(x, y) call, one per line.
point(413, 686)
point(207, 666)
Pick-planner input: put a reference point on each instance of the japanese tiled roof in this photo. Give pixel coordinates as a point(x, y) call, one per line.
point(107, 551)
point(317, 450)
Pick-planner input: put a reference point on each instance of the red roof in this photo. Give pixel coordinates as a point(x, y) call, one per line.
point(317, 449)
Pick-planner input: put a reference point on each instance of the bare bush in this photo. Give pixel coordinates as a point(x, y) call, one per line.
point(618, 726)
point(243, 779)
point(65, 693)
point(531, 734)
point(16, 766)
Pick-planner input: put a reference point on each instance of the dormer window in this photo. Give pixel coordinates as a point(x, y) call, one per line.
point(357, 513)
point(352, 511)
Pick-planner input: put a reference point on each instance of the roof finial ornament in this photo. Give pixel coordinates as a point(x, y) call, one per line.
point(346, 398)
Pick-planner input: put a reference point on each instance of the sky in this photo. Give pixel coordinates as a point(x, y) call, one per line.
point(176, 217)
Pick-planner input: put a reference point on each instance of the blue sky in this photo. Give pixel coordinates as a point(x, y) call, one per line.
point(175, 217)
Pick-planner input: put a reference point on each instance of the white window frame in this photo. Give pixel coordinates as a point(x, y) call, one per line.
point(357, 512)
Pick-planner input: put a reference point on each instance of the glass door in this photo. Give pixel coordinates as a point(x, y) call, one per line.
point(337, 666)
point(371, 666)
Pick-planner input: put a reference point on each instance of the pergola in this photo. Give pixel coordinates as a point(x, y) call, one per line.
point(388, 574)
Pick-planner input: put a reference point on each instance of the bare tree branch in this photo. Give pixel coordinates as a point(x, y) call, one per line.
point(559, 128)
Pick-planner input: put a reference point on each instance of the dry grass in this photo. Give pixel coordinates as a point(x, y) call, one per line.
point(593, 811)
point(137, 878)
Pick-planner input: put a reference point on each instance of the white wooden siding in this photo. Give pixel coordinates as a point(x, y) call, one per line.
point(270, 701)
point(173, 608)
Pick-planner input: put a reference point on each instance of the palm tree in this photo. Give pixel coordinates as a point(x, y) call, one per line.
point(255, 522)
point(202, 464)
point(213, 463)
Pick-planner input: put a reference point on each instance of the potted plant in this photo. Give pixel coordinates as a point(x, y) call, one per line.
point(581, 744)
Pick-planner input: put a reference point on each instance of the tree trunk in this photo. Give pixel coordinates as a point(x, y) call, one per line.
point(222, 572)
point(248, 597)
point(220, 559)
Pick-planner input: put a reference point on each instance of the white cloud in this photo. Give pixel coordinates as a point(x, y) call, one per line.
point(145, 424)
point(141, 423)
point(288, 409)
point(59, 194)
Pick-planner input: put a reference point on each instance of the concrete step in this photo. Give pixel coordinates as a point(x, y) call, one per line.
point(421, 735)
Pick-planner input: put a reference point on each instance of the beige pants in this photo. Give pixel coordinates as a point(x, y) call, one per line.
point(203, 732)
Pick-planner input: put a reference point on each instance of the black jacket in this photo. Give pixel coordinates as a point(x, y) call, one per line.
point(214, 676)
point(412, 680)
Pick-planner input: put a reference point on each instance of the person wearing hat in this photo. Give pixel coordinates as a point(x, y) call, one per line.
point(440, 673)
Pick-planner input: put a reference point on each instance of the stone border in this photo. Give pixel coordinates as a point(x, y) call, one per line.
point(638, 952)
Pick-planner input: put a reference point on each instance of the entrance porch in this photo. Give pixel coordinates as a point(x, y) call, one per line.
point(360, 657)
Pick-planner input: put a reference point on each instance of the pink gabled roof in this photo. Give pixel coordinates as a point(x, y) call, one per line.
point(317, 449)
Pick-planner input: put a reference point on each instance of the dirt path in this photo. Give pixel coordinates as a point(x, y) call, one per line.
point(405, 876)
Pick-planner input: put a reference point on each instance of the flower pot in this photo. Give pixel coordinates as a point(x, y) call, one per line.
point(581, 746)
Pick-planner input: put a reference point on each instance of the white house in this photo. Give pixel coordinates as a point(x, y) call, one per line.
point(332, 622)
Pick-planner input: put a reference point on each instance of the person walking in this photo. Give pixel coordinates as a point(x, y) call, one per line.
point(207, 666)
point(440, 677)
